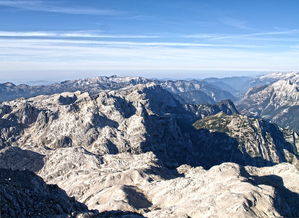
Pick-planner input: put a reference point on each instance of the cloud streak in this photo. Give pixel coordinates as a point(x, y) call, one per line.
point(46, 7)
point(49, 54)
point(78, 34)
point(96, 51)
point(256, 36)
point(210, 39)
point(25, 42)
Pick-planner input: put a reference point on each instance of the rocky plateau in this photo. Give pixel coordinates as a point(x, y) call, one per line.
point(135, 148)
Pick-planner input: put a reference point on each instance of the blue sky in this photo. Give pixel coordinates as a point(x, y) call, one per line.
point(64, 39)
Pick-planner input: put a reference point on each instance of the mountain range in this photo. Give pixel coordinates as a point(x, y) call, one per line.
point(134, 147)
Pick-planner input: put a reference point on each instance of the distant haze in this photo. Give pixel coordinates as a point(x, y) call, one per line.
point(44, 78)
point(59, 40)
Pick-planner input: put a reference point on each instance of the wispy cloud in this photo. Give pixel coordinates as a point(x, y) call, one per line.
point(77, 34)
point(25, 42)
point(271, 35)
point(43, 6)
point(49, 54)
point(210, 39)
point(92, 50)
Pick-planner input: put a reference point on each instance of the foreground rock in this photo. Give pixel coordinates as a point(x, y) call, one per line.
point(23, 194)
point(140, 183)
point(122, 152)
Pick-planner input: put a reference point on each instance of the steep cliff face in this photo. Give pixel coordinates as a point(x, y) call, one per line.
point(202, 110)
point(245, 140)
point(135, 119)
point(129, 120)
point(278, 102)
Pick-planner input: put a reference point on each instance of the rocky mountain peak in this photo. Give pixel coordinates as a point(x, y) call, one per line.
point(246, 140)
point(277, 101)
point(130, 150)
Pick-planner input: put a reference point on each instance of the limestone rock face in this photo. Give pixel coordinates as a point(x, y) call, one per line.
point(135, 119)
point(278, 101)
point(245, 140)
point(139, 119)
point(139, 183)
point(227, 190)
point(109, 122)
point(133, 152)
point(202, 110)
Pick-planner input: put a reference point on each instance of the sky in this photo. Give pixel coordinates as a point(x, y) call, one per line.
point(66, 39)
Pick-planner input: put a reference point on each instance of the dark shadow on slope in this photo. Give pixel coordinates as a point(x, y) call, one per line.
point(119, 214)
point(125, 107)
point(16, 158)
point(136, 198)
point(168, 138)
point(163, 172)
point(4, 109)
point(165, 140)
point(214, 148)
point(286, 202)
point(67, 100)
point(64, 141)
point(24, 194)
point(100, 121)
point(279, 140)
point(112, 148)
point(12, 126)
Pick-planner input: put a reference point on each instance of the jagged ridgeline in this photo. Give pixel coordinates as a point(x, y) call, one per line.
point(139, 119)
point(131, 147)
point(244, 140)
point(135, 119)
point(273, 97)
point(195, 91)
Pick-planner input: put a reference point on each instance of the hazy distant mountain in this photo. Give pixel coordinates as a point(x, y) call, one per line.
point(10, 91)
point(196, 92)
point(278, 101)
point(39, 82)
point(235, 85)
point(185, 91)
